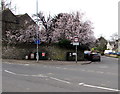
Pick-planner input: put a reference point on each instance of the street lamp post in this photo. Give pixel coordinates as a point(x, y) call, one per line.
point(37, 54)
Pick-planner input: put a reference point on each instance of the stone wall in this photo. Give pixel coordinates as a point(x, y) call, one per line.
point(53, 52)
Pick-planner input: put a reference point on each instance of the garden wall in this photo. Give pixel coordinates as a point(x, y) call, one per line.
point(53, 52)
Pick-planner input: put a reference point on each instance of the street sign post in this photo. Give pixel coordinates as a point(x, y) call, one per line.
point(76, 43)
point(37, 41)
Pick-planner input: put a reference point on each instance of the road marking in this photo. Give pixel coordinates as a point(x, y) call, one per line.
point(50, 73)
point(26, 64)
point(90, 71)
point(80, 84)
point(103, 67)
point(16, 63)
point(10, 72)
point(39, 75)
point(58, 67)
point(7, 63)
point(99, 72)
point(60, 80)
point(65, 68)
point(99, 87)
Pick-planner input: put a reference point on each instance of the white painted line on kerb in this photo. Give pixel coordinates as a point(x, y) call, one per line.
point(99, 87)
point(60, 80)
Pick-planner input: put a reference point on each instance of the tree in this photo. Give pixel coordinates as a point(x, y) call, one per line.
point(5, 4)
point(61, 27)
point(114, 36)
point(21, 36)
point(101, 44)
point(66, 26)
point(46, 23)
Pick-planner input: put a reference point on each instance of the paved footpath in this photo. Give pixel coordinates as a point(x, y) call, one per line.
point(45, 62)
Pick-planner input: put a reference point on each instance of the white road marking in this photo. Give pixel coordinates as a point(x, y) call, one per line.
point(26, 64)
point(99, 72)
point(103, 67)
point(65, 68)
point(58, 67)
point(60, 80)
point(39, 75)
point(81, 84)
point(7, 63)
point(99, 87)
point(10, 72)
point(17, 64)
point(90, 71)
point(50, 73)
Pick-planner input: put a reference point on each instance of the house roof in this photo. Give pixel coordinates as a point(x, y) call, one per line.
point(8, 16)
point(15, 22)
point(112, 43)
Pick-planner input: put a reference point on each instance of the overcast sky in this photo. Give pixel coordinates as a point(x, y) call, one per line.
point(103, 13)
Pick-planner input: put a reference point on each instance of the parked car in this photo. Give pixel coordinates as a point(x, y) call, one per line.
point(118, 53)
point(95, 57)
point(92, 56)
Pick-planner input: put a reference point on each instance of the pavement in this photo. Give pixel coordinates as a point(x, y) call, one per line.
point(53, 62)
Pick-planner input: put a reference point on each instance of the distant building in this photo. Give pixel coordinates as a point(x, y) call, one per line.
point(111, 45)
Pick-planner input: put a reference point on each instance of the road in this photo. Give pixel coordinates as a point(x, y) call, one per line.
point(95, 77)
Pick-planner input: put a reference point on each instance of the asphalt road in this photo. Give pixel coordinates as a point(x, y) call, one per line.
point(95, 77)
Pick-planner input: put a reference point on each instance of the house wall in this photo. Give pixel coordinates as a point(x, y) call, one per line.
point(110, 47)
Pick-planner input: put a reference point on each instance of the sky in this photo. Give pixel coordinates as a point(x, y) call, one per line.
point(102, 13)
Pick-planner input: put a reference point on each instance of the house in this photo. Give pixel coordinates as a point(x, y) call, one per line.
point(111, 45)
point(15, 22)
point(25, 20)
point(9, 21)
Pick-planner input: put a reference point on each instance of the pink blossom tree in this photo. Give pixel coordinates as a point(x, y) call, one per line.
point(67, 26)
point(52, 30)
